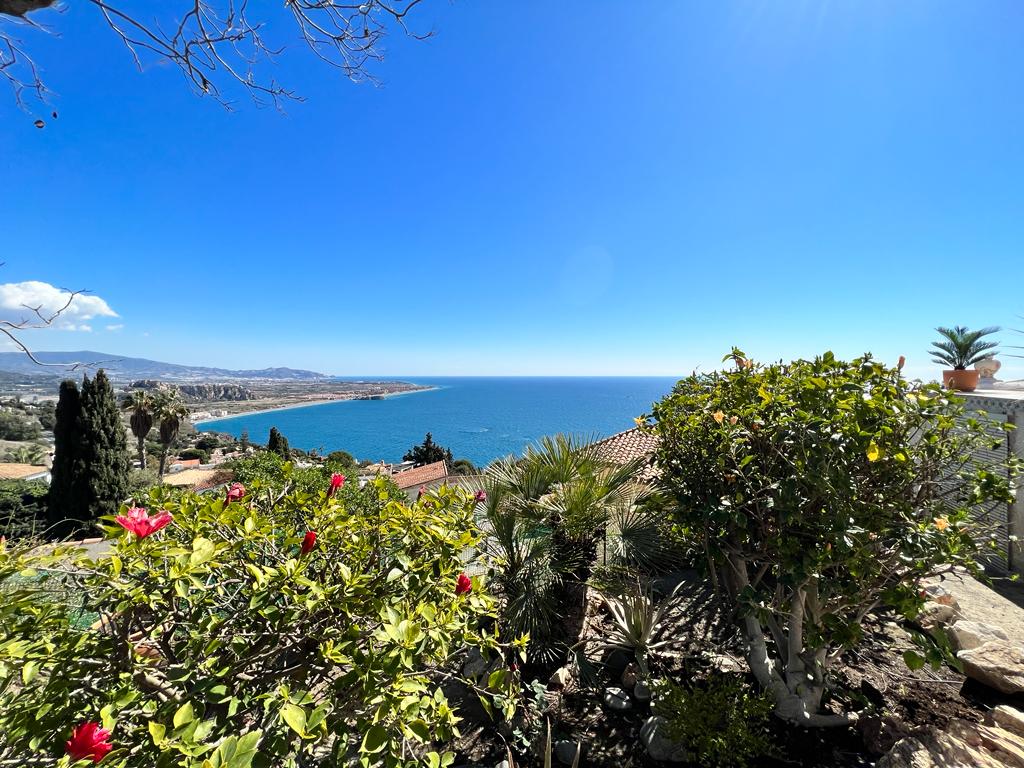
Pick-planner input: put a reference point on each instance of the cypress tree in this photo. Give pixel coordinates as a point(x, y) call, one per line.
point(278, 443)
point(66, 498)
point(106, 461)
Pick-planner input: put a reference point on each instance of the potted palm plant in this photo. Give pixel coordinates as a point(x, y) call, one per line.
point(959, 348)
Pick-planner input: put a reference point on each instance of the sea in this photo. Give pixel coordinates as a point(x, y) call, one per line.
point(478, 418)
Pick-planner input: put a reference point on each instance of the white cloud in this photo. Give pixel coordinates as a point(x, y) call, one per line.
point(115, 327)
point(18, 300)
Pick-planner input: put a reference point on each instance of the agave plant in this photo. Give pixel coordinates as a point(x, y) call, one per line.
point(548, 513)
point(637, 620)
point(962, 347)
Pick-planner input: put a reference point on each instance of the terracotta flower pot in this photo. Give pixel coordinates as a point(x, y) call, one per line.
point(961, 380)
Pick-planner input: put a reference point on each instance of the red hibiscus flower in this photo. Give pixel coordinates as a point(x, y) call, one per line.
point(235, 492)
point(308, 542)
point(480, 497)
point(89, 742)
point(336, 482)
point(463, 584)
point(141, 523)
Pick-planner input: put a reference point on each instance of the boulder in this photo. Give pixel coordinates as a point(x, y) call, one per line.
point(617, 699)
point(996, 664)
point(1009, 719)
point(961, 744)
point(965, 635)
point(936, 614)
point(560, 679)
point(642, 692)
point(659, 746)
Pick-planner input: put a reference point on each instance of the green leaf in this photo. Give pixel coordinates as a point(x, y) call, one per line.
point(158, 731)
point(295, 717)
point(184, 715)
point(913, 660)
point(375, 740)
point(29, 672)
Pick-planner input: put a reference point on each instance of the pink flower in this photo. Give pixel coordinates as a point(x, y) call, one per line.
point(88, 742)
point(235, 492)
point(423, 489)
point(480, 497)
point(308, 542)
point(463, 584)
point(138, 521)
point(336, 482)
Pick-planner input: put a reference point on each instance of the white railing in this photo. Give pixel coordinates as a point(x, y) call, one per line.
point(1007, 405)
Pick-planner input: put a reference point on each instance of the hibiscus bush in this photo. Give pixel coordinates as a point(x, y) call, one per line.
point(258, 627)
point(819, 491)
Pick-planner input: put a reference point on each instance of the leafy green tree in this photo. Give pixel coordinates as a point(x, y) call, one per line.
point(243, 440)
point(47, 415)
point(106, 461)
point(67, 498)
point(278, 443)
point(170, 411)
point(22, 508)
point(816, 491)
point(463, 467)
point(428, 452)
point(343, 462)
point(15, 425)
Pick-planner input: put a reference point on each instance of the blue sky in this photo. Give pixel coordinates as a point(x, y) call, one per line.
point(584, 187)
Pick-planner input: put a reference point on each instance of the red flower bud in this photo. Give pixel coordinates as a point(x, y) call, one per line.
point(463, 584)
point(480, 497)
point(308, 542)
point(336, 482)
point(88, 742)
point(901, 363)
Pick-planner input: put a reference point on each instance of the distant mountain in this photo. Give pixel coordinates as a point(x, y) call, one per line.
point(131, 368)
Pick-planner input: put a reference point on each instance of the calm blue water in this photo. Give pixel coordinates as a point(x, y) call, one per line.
point(478, 418)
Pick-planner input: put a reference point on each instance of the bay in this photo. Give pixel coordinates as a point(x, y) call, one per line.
point(478, 418)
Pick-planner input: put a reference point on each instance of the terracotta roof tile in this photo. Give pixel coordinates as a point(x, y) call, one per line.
point(428, 473)
point(13, 471)
point(627, 446)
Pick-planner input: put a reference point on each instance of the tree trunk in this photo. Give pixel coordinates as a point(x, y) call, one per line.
point(163, 461)
point(142, 452)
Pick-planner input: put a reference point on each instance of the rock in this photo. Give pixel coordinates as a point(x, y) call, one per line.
point(1008, 718)
point(882, 733)
point(726, 664)
point(565, 751)
point(659, 746)
point(967, 635)
point(936, 614)
point(503, 764)
point(629, 675)
point(560, 679)
point(996, 664)
point(960, 744)
point(617, 699)
point(642, 692)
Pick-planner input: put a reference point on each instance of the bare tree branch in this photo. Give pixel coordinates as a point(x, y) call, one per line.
point(218, 43)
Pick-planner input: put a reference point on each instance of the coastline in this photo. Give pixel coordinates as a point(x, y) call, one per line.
point(307, 404)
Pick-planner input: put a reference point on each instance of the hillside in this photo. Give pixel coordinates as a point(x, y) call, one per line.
point(132, 368)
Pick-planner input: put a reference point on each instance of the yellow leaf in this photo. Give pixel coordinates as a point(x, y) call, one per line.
point(874, 452)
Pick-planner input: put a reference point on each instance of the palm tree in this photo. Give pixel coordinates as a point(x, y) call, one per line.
point(142, 404)
point(27, 454)
point(170, 411)
point(547, 513)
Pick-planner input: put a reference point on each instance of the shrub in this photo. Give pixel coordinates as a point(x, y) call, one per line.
point(195, 453)
point(22, 508)
point(818, 491)
point(720, 721)
point(232, 636)
point(15, 425)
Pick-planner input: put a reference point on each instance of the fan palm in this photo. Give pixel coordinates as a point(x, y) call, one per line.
point(27, 454)
point(142, 404)
point(169, 411)
point(962, 347)
point(547, 513)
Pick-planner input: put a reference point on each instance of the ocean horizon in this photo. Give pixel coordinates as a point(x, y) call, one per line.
point(479, 418)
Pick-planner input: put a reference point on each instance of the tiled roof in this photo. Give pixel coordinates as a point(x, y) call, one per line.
point(12, 471)
point(428, 473)
point(627, 446)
